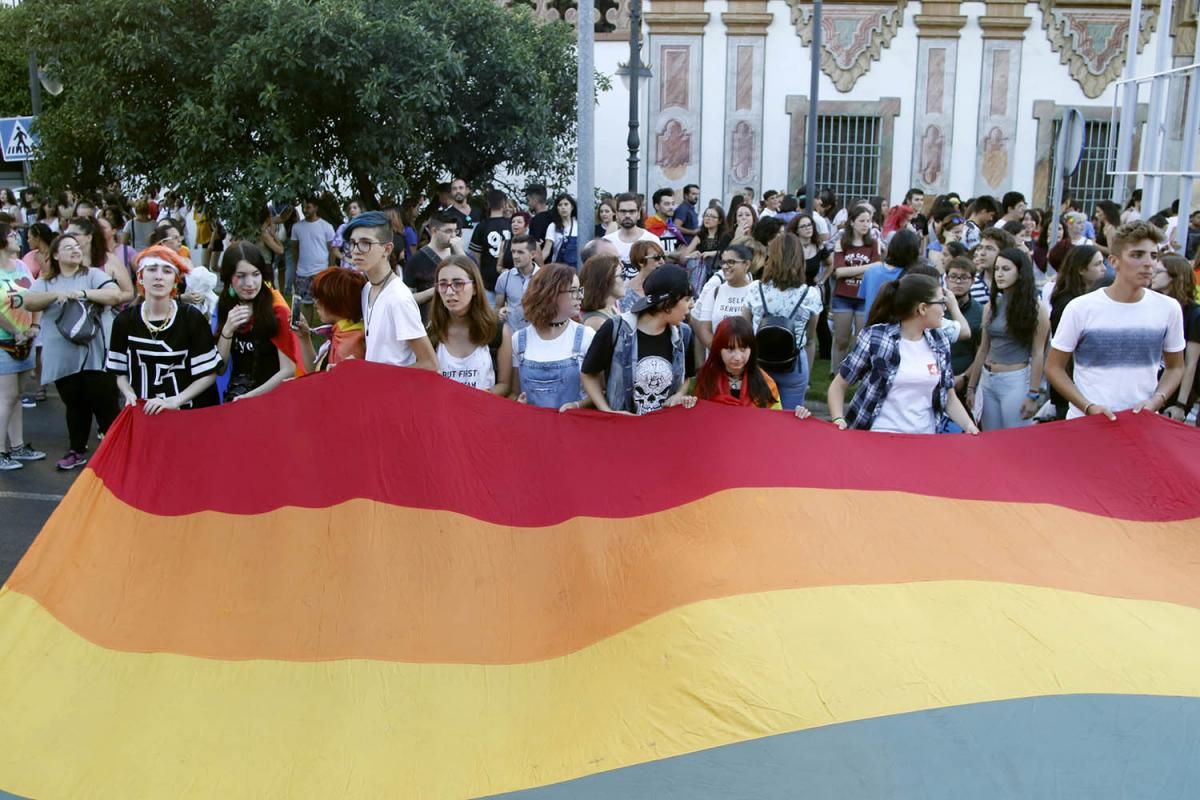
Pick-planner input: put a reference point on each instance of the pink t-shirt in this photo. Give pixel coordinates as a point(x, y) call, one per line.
point(30, 260)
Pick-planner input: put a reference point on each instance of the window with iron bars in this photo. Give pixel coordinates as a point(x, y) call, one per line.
point(1091, 182)
point(848, 156)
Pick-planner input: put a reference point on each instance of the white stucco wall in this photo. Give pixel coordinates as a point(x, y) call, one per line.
point(1042, 77)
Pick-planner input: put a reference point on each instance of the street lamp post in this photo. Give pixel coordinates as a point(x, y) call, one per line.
point(635, 74)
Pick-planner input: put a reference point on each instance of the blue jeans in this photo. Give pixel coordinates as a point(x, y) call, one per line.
point(792, 385)
point(1003, 394)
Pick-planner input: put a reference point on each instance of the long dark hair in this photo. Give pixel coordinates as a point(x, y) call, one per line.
point(565, 225)
point(98, 248)
point(733, 331)
point(848, 231)
point(904, 250)
point(482, 321)
point(1070, 282)
point(264, 324)
point(1021, 307)
point(897, 300)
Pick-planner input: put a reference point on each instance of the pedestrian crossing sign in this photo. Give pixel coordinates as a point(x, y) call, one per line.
point(17, 138)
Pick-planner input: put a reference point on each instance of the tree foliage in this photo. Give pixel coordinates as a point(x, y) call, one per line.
point(237, 101)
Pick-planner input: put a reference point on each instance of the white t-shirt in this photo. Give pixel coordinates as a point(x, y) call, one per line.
point(908, 407)
point(719, 300)
point(556, 349)
point(475, 370)
point(314, 238)
point(1117, 347)
point(391, 323)
point(623, 248)
point(780, 302)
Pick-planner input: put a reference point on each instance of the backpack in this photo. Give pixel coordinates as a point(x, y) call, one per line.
point(776, 337)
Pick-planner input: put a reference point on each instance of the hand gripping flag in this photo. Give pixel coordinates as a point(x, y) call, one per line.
point(376, 583)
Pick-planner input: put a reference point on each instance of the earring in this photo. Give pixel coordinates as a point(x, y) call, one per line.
point(231, 292)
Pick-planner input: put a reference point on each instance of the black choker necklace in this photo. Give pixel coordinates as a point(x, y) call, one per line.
point(382, 282)
point(559, 324)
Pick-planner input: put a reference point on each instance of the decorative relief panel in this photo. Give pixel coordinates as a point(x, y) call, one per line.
point(611, 15)
point(933, 132)
point(673, 143)
point(744, 113)
point(998, 97)
point(852, 36)
point(1091, 41)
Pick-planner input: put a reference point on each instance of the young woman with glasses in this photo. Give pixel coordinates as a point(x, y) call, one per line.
point(547, 353)
point(901, 364)
point(724, 295)
point(644, 256)
point(76, 369)
point(603, 288)
point(471, 342)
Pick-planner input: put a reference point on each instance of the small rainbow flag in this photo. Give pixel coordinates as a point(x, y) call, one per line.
point(375, 583)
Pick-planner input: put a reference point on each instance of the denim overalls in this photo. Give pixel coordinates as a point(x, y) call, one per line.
point(551, 384)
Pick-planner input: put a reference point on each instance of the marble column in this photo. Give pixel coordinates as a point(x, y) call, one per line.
point(933, 113)
point(1004, 27)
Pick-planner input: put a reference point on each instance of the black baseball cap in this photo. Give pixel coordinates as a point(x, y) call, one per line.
point(668, 282)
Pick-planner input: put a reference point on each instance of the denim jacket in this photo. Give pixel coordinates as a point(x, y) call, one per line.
point(620, 373)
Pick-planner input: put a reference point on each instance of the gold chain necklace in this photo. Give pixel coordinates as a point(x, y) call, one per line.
point(155, 330)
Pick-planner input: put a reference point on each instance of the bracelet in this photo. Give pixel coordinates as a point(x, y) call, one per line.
point(37, 325)
point(1085, 408)
point(1032, 395)
point(223, 336)
point(839, 419)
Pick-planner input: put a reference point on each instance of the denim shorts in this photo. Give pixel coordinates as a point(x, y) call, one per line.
point(854, 304)
point(11, 366)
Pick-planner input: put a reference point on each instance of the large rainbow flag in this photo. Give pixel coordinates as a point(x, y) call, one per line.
point(377, 584)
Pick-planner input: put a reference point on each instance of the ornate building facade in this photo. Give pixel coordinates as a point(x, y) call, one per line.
point(941, 95)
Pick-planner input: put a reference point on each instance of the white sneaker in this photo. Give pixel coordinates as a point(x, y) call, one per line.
point(7, 463)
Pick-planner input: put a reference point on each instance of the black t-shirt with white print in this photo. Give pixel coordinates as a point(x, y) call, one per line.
point(164, 363)
point(652, 375)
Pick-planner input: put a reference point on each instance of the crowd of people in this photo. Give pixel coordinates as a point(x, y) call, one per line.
point(938, 314)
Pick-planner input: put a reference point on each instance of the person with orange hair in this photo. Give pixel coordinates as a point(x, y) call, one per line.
point(162, 350)
point(337, 293)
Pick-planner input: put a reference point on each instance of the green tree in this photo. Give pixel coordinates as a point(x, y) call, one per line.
point(236, 101)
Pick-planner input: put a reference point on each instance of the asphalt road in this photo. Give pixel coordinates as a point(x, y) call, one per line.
point(28, 496)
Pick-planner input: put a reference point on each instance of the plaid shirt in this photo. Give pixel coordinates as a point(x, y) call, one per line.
point(873, 364)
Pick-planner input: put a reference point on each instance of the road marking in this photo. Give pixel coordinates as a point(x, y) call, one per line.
point(45, 498)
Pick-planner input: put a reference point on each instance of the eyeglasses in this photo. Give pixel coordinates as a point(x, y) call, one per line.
point(457, 285)
point(655, 257)
point(941, 303)
point(577, 292)
point(958, 278)
point(955, 221)
point(359, 245)
point(731, 261)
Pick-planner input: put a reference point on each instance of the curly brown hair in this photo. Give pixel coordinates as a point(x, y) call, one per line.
point(541, 297)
